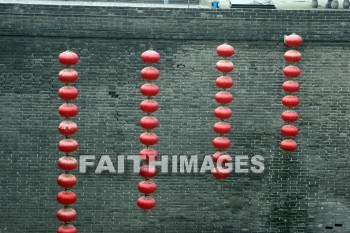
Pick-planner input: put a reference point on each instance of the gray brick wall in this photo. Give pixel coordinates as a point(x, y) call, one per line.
point(302, 193)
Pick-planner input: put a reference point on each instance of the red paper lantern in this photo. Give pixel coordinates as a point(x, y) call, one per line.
point(225, 50)
point(290, 101)
point(68, 75)
point(149, 106)
point(216, 155)
point(223, 97)
point(67, 163)
point(147, 187)
point(150, 56)
point(224, 82)
point(68, 58)
point(221, 143)
point(222, 127)
point(149, 89)
point(66, 197)
point(291, 71)
point(68, 110)
point(290, 116)
point(148, 171)
point(223, 112)
point(67, 128)
point(292, 56)
point(148, 139)
point(149, 122)
point(224, 66)
point(67, 180)
point(220, 173)
point(290, 86)
point(68, 93)
point(293, 40)
point(68, 145)
point(67, 229)
point(223, 159)
point(66, 214)
point(150, 73)
point(148, 154)
point(289, 145)
point(146, 203)
point(289, 130)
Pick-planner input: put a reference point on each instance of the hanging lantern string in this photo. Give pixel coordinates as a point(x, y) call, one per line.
point(149, 122)
point(223, 97)
point(67, 145)
point(290, 101)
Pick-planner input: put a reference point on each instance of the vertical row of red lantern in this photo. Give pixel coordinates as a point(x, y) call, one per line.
point(67, 145)
point(223, 97)
point(290, 87)
point(148, 122)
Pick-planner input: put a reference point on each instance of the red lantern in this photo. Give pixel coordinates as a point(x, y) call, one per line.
point(291, 71)
point(289, 145)
point(149, 89)
point(68, 145)
point(224, 66)
point(223, 159)
point(222, 112)
point(221, 143)
point(290, 101)
point(290, 116)
point(220, 173)
point(68, 58)
point(68, 128)
point(289, 130)
point(222, 127)
point(216, 155)
point(224, 82)
point(292, 56)
point(147, 187)
point(67, 180)
point(223, 97)
point(293, 40)
point(67, 229)
point(148, 154)
point(68, 75)
point(150, 73)
point(68, 110)
point(149, 122)
point(66, 214)
point(290, 86)
point(68, 93)
point(146, 203)
point(148, 138)
point(150, 56)
point(66, 197)
point(147, 171)
point(225, 50)
point(67, 163)
point(149, 106)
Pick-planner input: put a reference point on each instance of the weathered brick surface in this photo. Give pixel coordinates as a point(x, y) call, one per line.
point(301, 193)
